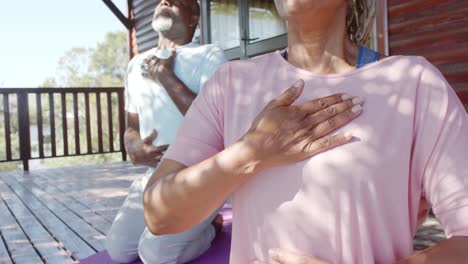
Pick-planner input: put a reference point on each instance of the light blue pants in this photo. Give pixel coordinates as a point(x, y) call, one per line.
point(129, 238)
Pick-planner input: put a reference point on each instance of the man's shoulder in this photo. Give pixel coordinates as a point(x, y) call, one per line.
point(139, 58)
point(143, 55)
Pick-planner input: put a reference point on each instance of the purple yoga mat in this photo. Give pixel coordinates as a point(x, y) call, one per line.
point(217, 254)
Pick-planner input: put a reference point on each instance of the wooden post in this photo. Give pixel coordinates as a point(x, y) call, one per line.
point(52, 125)
point(122, 124)
point(381, 28)
point(64, 124)
point(6, 108)
point(24, 126)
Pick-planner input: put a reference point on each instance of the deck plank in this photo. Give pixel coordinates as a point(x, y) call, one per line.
point(20, 248)
point(42, 241)
point(4, 255)
point(13, 237)
point(99, 222)
point(76, 236)
point(78, 190)
point(86, 231)
point(103, 190)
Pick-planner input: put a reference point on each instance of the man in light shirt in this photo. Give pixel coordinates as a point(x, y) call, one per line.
point(160, 87)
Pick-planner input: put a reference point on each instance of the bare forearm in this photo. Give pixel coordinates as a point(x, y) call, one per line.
point(131, 138)
point(181, 200)
point(178, 91)
point(453, 250)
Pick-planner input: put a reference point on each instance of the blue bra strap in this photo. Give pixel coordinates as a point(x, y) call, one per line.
point(366, 56)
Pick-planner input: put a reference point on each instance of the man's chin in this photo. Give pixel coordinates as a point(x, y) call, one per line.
point(163, 24)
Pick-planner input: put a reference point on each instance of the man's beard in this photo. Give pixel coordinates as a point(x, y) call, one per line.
point(163, 23)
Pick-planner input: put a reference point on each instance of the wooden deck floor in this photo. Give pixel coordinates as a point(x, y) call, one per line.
point(60, 215)
point(63, 215)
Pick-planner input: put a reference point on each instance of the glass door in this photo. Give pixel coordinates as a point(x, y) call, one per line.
point(264, 30)
point(221, 18)
point(243, 28)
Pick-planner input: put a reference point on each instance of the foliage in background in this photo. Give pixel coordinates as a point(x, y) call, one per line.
point(103, 66)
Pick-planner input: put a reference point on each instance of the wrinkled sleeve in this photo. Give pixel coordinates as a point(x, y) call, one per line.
point(441, 150)
point(131, 104)
point(201, 134)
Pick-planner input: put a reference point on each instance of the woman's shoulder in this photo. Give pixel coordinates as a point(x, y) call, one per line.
point(403, 65)
point(410, 60)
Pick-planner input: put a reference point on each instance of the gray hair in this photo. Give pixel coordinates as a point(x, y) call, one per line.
point(359, 20)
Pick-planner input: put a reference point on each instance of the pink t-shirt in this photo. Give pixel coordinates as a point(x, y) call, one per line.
point(357, 203)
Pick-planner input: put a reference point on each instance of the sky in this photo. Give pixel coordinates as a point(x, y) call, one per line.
point(35, 34)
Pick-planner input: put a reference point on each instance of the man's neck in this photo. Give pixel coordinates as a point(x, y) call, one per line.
point(318, 45)
point(168, 41)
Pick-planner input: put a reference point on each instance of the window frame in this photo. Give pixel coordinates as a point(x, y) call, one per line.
point(245, 48)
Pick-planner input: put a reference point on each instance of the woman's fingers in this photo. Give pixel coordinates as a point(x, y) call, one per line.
point(334, 122)
point(331, 111)
point(316, 105)
point(290, 95)
point(313, 145)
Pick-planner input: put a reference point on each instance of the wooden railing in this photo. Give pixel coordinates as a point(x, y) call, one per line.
point(28, 103)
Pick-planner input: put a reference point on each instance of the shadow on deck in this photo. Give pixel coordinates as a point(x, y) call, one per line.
point(62, 215)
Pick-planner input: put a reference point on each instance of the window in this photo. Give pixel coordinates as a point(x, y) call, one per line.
point(243, 28)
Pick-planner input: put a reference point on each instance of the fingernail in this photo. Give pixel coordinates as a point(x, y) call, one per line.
point(356, 109)
point(273, 253)
point(348, 135)
point(357, 100)
point(345, 97)
point(299, 83)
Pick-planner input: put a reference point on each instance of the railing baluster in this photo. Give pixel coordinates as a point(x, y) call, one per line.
point(77, 124)
point(99, 120)
point(53, 144)
point(121, 103)
point(40, 133)
point(64, 124)
point(109, 119)
point(59, 97)
point(24, 126)
point(88, 125)
point(6, 109)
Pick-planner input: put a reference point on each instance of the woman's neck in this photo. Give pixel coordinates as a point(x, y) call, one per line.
point(318, 44)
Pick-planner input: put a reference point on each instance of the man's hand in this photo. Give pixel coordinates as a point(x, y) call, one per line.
point(144, 153)
point(287, 257)
point(156, 69)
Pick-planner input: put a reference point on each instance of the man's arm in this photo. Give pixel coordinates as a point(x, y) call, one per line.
point(141, 151)
point(178, 91)
point(162, 70)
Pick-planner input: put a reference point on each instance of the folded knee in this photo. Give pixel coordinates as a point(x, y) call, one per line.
point(120, 252)
point(178, 248)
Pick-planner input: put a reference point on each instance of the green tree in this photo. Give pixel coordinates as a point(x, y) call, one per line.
point(109, 60)
point(103, 66)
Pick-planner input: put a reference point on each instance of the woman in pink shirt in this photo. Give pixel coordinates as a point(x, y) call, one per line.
point(320, 179)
